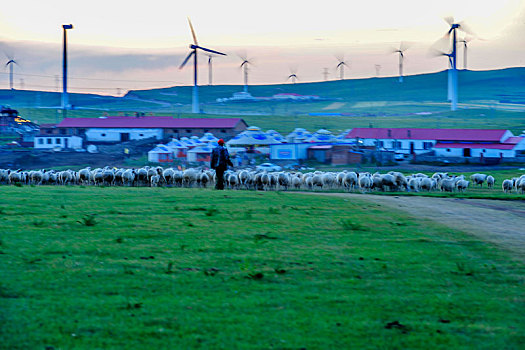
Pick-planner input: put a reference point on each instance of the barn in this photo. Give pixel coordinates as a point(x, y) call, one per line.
point(114, 129)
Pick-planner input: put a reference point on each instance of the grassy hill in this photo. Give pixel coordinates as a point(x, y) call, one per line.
point(488, 99)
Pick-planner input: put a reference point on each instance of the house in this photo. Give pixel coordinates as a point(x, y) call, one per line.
point(57, 141)
point(121, 128)
point(444, 142)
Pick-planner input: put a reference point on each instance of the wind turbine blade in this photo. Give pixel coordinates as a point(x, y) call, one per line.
point(449, 20)
point(186, 59)
point(193, 33)
point(209, 50)
point(404, 45)
point(465, 28)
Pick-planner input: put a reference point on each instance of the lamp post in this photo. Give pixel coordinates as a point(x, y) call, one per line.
point(65, 100)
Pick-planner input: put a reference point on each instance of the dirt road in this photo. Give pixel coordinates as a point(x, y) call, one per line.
point(499, 222)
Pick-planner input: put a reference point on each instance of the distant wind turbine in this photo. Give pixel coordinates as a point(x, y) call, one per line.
point(210, 70)
point(465, 41)
point(194, 47)
point(403, 46)
point(341, 66)
point(451, 37)
point(10, 65)
point(244, 66)
point(292, 76)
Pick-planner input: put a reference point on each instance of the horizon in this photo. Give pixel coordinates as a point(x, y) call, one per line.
point(107, 56)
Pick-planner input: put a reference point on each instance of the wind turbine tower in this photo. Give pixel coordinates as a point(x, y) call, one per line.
point(465, 41)
point(341, 66)
point(402, 48)
point(10, 64)
point(454, 70)
point(210, 70)
point(293, 77)
point(194, 47)
point(244, 66)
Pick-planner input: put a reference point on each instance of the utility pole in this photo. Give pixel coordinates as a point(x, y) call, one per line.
point(65, 99)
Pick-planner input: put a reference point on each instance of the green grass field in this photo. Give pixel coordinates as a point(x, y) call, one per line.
point(144, 268)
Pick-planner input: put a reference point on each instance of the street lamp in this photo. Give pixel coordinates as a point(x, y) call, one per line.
point(65, 100)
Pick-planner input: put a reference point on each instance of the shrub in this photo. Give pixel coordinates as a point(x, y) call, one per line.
point(349, 225)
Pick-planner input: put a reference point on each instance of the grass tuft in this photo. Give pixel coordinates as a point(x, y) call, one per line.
point(349, 225)
point(88, 220)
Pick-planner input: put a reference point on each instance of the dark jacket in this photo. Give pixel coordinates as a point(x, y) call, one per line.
point(220, 158)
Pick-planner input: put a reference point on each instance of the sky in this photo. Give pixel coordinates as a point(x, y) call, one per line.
point(117, 45)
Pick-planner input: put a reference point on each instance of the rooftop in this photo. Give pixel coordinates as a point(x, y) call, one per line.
point(479, 135)
point(149, 122)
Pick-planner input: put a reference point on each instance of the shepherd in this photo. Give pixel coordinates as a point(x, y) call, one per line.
point(220, 159)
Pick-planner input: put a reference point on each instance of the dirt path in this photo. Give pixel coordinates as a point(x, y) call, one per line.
point(499, 222)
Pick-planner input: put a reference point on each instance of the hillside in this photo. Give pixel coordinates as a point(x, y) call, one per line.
point(488, 99)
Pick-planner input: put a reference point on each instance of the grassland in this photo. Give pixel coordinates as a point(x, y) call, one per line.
point(117, 268)
point(488, 99)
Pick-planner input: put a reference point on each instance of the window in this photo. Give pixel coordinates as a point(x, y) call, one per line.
point(175, 130)
point(389, 133)
point(40, 141)
point(102, 135)
point(49, 141)
point(484, 150)
point(62, 131)
point(58, 141)
point(206, 130)
point(188, 131)
point(448, 149)
point(141, 134)
point(427, 145)
point(49, 131)
point(223, 131)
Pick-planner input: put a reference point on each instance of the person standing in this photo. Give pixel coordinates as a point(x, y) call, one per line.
point(220, 159)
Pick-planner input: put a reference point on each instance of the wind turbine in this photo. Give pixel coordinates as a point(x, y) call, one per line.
point(10, 64)
point(451, 37)
point(210, 70)
point(465, 41)
point(341, 66)
point(292, 76)
point(194, 47)
point(403, 46)
point(244, 65)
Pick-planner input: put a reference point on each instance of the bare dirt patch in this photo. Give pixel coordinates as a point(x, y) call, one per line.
point(499, 222)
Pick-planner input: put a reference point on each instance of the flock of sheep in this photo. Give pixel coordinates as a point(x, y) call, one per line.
point(254, 180)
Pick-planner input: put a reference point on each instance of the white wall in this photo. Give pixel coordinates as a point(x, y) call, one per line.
point(113, 134)
point(474, 152)
point(405, 145)
point(52, 141)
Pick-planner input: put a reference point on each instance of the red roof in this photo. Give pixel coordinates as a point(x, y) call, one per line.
point(475, 145)
point(514, 140)
point(480, 135)
point(149, 122)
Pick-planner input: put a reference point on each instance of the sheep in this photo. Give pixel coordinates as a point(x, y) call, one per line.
point(478, 179)
point(365, 182)
point(506, 185)
point(462, 185)
point(448, 185)
point(128, 177)
point(15, 177)
point(414, 184)
point(154, 180)
point(520, 184)
point(350, 180)
point(426, 184)
point(283, 179)
point(490, 181)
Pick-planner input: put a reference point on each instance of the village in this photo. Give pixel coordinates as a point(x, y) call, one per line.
point(191, 140)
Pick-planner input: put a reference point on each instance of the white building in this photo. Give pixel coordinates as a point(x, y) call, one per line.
point(444, 142)
point(57, 142)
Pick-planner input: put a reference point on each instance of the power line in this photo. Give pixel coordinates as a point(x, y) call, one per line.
point(99, 79)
